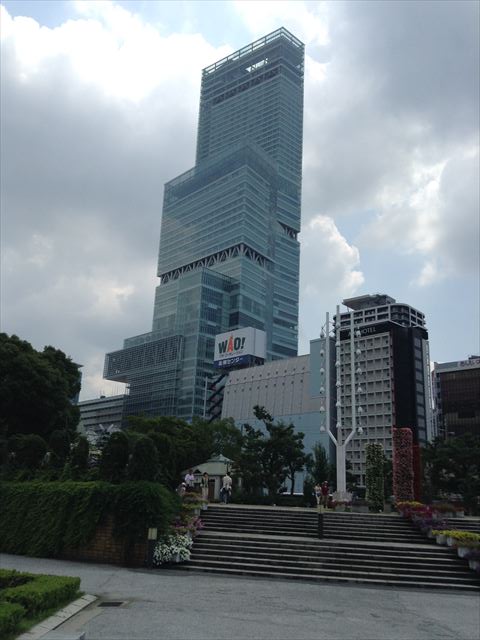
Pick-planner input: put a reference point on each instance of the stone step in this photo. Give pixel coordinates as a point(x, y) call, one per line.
point(414, 581)
point(340, 548)
point(328, 554)
point(365, 564)
point(361, 548)
point(265, 531)
point(334, 535)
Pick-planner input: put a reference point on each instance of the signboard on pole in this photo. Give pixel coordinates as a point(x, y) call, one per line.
point(239, 347)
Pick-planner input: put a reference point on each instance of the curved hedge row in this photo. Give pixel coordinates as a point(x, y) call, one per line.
point(42, 518)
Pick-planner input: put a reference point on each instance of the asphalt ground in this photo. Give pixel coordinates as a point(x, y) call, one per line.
point(169, 604)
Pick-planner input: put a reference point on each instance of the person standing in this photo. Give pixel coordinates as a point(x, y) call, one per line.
point(226, 487)
point(204, 487)
point(190, 480)
point(318, 493)
point(325, 492)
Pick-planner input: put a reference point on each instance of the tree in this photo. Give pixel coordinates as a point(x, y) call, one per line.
point(114, 458)
point(36, 389)
point(29, 450)
point(59, 445)
point(271, 456)
point(79, 456)
point(320, 469)
point(453, 467)
point(182, 445)
point(143, 464)
point(248, 462)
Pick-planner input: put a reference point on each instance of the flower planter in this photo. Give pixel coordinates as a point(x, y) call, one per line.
point(441, 539)
point(462, 551)
point(450, 541)
point(474, 565)
point(459, 514)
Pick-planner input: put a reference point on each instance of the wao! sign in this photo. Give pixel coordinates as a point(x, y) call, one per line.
point(239, 347)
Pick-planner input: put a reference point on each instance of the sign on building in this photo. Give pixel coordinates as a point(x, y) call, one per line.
point(239, 347)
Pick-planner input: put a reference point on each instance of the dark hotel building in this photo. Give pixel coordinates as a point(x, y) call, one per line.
point(457, 397)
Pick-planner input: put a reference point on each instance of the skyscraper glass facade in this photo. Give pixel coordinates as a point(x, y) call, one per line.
point(229, 254)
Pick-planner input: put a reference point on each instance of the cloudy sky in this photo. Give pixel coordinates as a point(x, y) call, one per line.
point(99, 106)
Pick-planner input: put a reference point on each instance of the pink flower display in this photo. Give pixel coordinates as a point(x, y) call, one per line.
point(403, 464)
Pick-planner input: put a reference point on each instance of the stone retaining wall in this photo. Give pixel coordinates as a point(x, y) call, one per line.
point(105, 548)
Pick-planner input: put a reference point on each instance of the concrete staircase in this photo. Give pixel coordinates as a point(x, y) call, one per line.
point(370, 528)
point(261, 520)
point(283, 543)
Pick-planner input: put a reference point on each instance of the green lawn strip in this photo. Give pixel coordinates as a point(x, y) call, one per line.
point(26, 599)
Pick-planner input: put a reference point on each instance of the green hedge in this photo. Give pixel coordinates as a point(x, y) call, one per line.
point(43, 518)
point(42, 593)
point(11, 578)
point(10, 616)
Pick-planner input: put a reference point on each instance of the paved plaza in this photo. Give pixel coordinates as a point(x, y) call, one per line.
point(168, 604)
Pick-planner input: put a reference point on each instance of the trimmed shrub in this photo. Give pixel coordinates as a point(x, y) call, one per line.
point(80, 452)
point(30, 450)
point(374, 476)
point(113, 462)
point(10, 616)
point(11, 578)
point(42, 593)
point(59, 445)
point(143, 464)
point(43, 518)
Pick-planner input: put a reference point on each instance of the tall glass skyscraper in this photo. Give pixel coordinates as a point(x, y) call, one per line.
point(229, 253)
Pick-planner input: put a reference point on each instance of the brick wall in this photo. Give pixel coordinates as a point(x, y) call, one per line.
point(105, 548)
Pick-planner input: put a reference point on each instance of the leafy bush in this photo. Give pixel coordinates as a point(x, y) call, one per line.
point(374, 476)
point(143, 464)
point(42, 593)
point(59, 445)
point(11, 578)
point(29, 450)
point(10, 616)
point(80, 452)
point(114, 458)
point(462, 536)
point(43, 518)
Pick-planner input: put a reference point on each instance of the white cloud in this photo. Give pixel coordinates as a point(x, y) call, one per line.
point(306, 20)
point(328, 273)
point(99, 112)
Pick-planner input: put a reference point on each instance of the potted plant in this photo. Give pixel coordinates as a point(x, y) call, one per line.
point(440, 537)
point(473, 557)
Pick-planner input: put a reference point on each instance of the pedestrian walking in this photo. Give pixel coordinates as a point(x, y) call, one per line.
point(318, 493)
point(190, 480)
point(226, 488)
point(204, 487)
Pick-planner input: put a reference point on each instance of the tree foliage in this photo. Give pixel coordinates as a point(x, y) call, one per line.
point(320, 467)
point(181, 445)
point(374, 476)
point(143, 464)
point(36, 389)
point(113, 462)
point(453, 467)
point(269, 456)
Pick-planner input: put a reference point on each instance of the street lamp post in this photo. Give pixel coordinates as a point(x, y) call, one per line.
point(339, 442)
